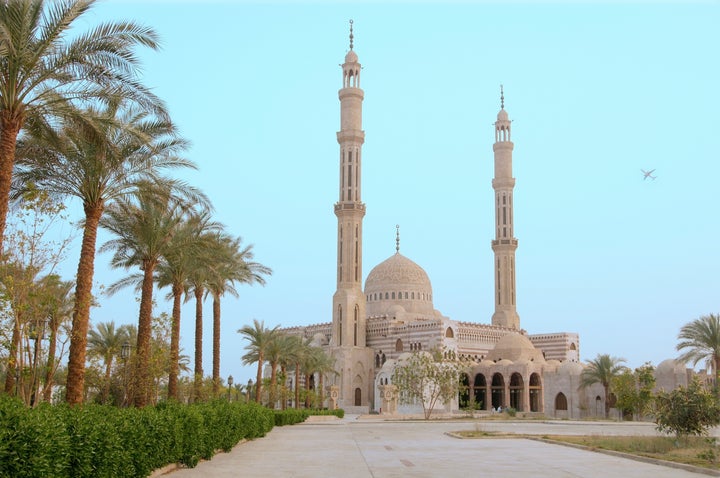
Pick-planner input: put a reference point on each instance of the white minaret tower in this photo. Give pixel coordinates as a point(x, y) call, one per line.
point(505, 244)
point(349, 319)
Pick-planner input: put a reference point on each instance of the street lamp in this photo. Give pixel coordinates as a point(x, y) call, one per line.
point(249, 387)
point(230, 384)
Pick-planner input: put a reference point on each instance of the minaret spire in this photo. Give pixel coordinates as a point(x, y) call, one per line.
point(397, 238)
point(351, 34)
point(502, 95)
point(505, 243)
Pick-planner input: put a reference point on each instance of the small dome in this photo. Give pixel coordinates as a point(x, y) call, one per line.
point(504, 362)
point(515, 347)
point(486, 363)
point(502, 115)
point(351, 57)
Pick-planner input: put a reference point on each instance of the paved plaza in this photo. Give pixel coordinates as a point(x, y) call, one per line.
point(360, 447)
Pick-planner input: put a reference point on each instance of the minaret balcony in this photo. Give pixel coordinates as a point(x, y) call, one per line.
point(349, 206)
point(505, 242)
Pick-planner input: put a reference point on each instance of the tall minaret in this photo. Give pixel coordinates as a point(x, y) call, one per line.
point(353, 382)
point(505, 244)
point(349, 300)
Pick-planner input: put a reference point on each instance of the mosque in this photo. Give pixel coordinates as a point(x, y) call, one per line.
point(374, 327)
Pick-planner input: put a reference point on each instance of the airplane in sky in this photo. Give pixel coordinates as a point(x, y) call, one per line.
point(648, 174)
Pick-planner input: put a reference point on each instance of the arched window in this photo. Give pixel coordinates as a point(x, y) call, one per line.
point(386, 295)
point(340, 324)
point(497, 391)
point(479, 388)
point(535, 392)
point(399, 345)
point(572, 346)
point(561, 402)
point(393, 295)
point(449, 333)
point(358, 397)
point(516, 391)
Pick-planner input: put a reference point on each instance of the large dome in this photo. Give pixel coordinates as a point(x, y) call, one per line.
point(398, 281)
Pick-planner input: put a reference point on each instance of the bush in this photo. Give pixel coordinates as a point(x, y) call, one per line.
point(687, 411)
point(105, 441)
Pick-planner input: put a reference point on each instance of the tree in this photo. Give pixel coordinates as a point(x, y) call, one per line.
point(427, 378)
point(144, 225)
point(174, 269)
point(602, 370)
point(230, 265)
point(701, 341)
point(30, 251)
point(634, 390)
point(105, 341)
point(259, 339)
point(684, 411)
point(43, 73)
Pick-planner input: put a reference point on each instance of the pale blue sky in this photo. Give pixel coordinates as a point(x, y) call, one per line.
point(596, 91)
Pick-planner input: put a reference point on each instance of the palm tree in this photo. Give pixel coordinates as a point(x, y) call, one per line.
point(144, 226)
point(259, 338)
point(701, 338)
point(42, 72)
point(232, 264)
point(602, 370)
point(58, 304)
point(98, 160)
point(173, 270)
point(105, 342)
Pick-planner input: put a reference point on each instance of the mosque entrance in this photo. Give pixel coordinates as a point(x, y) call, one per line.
point(535, 393)
point(358, 397)
point(497, 391)
point(516, 391)
point(479, 389)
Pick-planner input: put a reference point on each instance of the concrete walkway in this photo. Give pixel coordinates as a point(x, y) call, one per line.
point(360, 447)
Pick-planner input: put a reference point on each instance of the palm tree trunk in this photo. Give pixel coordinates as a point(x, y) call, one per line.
point(142, 371)
point(81, 313)
point(258, 387)
point(11, 368)
point(52, 348)
point(216, 344)
point(175, 342)
point(273, 385)
point(198, 342)
point(297, 385)
point(10, 125)
point(106, 388)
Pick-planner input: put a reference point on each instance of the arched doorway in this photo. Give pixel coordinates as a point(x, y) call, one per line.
point(358, 397)
point(497, 390)
point(561, 402)
point(398, 345)
point(464, 393)
point(535, 393)
point(479, 390)
point(516, 391)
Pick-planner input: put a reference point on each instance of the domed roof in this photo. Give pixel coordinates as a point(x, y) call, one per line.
point(502, 115)
point(670, 366)
point(515, 347)
point(570, 368)
point(351, 57)
point(397, 270)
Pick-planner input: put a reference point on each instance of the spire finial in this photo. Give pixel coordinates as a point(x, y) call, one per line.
point(397, 238)
point(502, 98)
point(351, 34)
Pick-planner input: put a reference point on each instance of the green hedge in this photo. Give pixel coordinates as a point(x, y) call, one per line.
point(104, 441)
